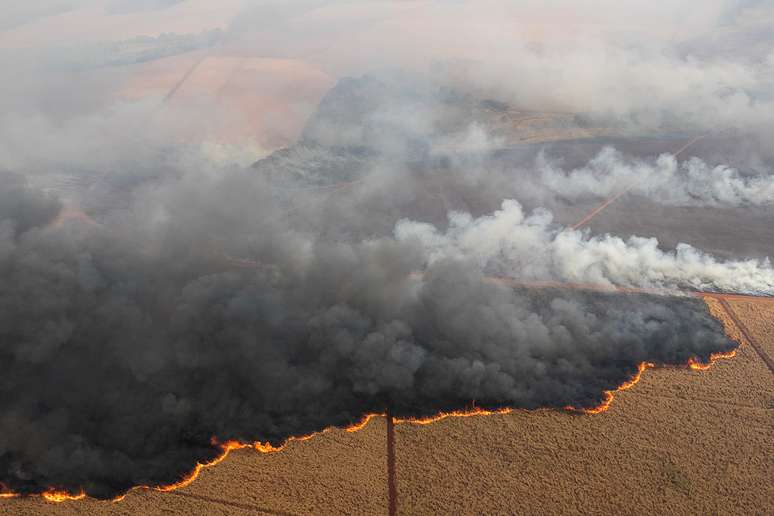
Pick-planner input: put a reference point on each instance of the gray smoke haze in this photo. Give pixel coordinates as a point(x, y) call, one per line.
point(126, 350)
point(622, 64)
point(161, 286)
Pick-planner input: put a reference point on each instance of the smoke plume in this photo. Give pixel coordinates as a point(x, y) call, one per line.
point(159, 296)
point(127, 349)
point(530, 247)
point(665, 180)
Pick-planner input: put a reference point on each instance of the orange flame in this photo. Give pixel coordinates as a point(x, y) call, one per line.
point(225, 447)
point(714, 357)
point(228, 446)
point(266, 447)
point(62, 496)
point(475, 411)
point(363, 422)
point(608, 396)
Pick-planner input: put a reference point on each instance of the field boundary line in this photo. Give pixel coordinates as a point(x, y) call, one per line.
point(392, 491)
point(746, 333)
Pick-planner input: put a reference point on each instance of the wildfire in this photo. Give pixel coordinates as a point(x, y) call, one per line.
point(475, 411)
point(51, 495)
point(266, 447)
point(636, 378)
point(607, 400)
point(226, 447)
point(62, 496)
point(359, 426)
point(714, 357)
point(270, 448)
point(607, 397)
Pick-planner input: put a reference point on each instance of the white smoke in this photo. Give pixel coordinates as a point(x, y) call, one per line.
point(665, 180)
point(532, 248)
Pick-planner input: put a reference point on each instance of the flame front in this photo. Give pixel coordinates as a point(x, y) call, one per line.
point(54, 495)
point(714, 357)
point(62, 496)
point(266, 447)
point(608, 396)
point(475, 411)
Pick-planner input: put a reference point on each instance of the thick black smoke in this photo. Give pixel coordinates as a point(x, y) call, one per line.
point(125, 349)
point(328, 281)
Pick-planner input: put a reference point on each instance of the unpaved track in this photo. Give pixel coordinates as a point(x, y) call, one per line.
point(593, 213)
point(392, 493)
point(742, 328)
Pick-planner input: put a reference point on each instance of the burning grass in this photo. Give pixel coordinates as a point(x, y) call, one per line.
point(58, 495)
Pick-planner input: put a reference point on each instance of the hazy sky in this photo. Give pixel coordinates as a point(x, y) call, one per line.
point(70, 77)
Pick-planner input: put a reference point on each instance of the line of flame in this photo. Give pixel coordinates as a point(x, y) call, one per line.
point(475, 411)
point(62, 496)
point(714, 357)
point(609, 395)
point(226, 447)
